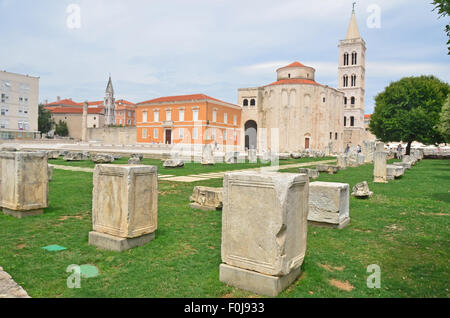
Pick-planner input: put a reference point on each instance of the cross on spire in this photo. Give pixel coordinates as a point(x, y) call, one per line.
point(354, 3)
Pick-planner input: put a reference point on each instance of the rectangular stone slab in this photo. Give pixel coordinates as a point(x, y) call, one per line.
point(264, 221)
point(329, 202)
point(24, 181)
point(256, 282)
point(125, 200)
point(117, 244)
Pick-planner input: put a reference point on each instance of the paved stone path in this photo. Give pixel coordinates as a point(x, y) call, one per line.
point(9, 288)
point(211, 175)
point(217, 175)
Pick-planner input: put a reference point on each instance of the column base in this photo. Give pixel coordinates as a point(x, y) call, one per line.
point(22, 214)
point(256, 282)
point(339, 226)
point(117, 244)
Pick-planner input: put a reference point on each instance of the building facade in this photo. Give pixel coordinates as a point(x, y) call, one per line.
point(292, 114)
point(188, 119)
point(351, 81)
point(125, 113)
point(19, 102)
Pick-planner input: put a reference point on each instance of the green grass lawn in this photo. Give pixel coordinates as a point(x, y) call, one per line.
point(403, 228)
point(189, 167)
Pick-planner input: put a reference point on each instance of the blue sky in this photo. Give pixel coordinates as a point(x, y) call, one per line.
point(158, 48)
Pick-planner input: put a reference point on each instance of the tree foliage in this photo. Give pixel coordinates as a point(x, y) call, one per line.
point(408, 110)
point(444, 121)
point(44, 119)
point(61, 129)
point(443, 8)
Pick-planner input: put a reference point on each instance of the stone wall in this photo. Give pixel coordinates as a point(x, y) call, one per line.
point(113, 135)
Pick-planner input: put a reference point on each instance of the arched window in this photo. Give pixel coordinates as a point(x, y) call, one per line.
point(345, 121)
point(352, 121)
point(345, 100)
point(331, 135)
point(354, 58)
point(252, 102)
point(289, 75)
point(335, 136)
point(245, 102)
point(345, 58)
point(353, 99)
point(353, 80)
point(345, 81)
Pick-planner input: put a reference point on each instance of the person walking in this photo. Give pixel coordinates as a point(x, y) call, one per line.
point(347, 150)
point(399, 151)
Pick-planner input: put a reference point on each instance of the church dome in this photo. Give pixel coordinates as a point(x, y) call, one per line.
point(296, 70)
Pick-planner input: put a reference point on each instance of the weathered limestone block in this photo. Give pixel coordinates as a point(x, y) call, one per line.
point(102, 158)
point(53, 154)
point(284, 156)
point(352, 159)
point(231, 157)
point(368, 150)
point(76, 156)
point(207, 155)
point(24, 183)
point(9, 149)
point(311, 173)
point(207, 198)
point(328, 169)
point(361, 190)
point(360, 159)
point(379, 166)
point(124, 206)
point(394, 171)
point(252, 156)
point(139, 156)
point(266, 156)
point(134, 161)
point(342, 162)
point(329, 204)
point(264, 227)
point(173, 163)
point(405, 165)
point(50, 172)
point(296, 155)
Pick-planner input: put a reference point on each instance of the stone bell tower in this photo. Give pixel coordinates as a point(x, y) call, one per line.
point(110, 105)
point(351, 81)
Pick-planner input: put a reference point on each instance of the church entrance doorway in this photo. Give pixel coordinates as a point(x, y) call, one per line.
point(251, 129)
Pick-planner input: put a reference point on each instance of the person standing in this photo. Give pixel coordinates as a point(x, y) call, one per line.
point(399, 151)
point(347, 150)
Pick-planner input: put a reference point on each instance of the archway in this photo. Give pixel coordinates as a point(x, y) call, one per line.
point(251, 129)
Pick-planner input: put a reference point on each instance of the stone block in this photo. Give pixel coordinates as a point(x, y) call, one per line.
point(329, 203)
point(125, 200)
point(405, 165)
point(328, 169)
point(207, 198)
point(361, 190)
point(311, 173)
point(24, 183)
point(252, 156)
point(379, 167)
point(102, 158)
point(394, 171)
point(76, 156)
point(118, 244)
point(264, 228)
point(173, 163)
point(342, 162)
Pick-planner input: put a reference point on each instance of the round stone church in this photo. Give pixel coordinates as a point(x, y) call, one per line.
point(293, 114)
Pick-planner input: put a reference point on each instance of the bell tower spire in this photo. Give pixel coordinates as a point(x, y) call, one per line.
point(110, 104)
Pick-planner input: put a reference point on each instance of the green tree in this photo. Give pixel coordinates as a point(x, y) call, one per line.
point(444, 121)
point(61, 129)
point(408, 110)
point(443, 7)
point(44, 119)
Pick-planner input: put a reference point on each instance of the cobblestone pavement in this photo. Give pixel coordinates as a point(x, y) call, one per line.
point(9, 288)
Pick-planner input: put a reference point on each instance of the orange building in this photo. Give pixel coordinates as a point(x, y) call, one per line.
point(125, 113)
point(188, 119)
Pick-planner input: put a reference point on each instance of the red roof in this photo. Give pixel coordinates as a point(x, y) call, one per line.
point(64, 102)
point(95, 103)
point(180, 98)
point(123, 101)
point(73, 110)
point(295, 64)
point(367, 116)
point(294, 81)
